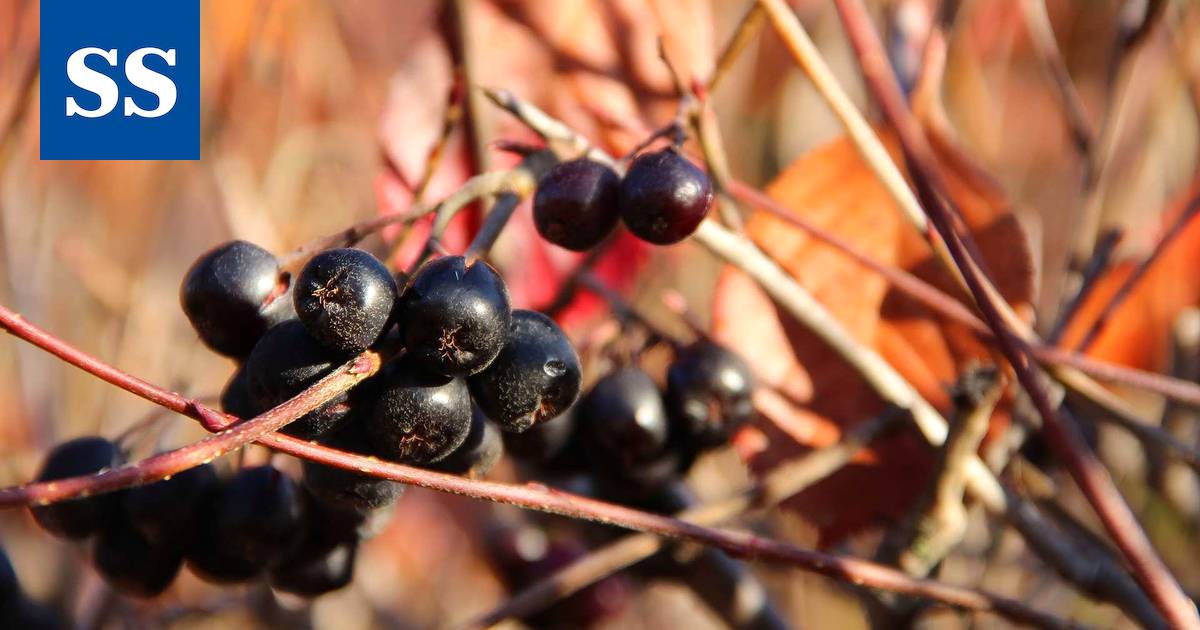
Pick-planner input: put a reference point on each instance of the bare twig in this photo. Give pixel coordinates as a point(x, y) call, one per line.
point(534, 496)
point(1041, 34)
point(1069, 446)
point(1127, 286)
point(743, 33)
point(1177, 484)
point(1095, 268)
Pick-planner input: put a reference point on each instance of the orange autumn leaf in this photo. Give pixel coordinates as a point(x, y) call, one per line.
point(832, 188)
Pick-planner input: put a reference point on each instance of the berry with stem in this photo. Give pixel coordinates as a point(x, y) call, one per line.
point(664, 197)
point(575, 205)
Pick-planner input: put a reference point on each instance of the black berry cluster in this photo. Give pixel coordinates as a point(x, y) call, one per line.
point(662, 199)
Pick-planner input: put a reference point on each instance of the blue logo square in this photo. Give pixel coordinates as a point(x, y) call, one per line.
point(109, 72)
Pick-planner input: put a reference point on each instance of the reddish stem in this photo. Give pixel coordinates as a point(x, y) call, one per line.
point(1091, 476)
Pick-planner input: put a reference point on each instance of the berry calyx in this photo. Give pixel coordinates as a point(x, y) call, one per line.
point(624, 419)
point(234, 293)
point(285, 362)
point(664, 197)
point(709, 393)
point(344, 298)
point(78, 518)
point(454, 316)
point(534, 378)
point(419, 417)
point(575, 205)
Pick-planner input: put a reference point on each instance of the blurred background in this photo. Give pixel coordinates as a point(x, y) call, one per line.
point(317, 114)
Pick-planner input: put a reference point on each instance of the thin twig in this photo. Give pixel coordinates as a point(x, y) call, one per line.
point(743, 34)
point(1041, 34)
point(1092, 478)
point(532, 496)
point(1131, 281)
point(1095, 268)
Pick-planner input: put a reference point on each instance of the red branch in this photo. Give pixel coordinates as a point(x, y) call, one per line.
point(1091, 476)
point(529, 496)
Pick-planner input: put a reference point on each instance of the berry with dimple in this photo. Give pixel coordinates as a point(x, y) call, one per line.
point(250, 522)
point(419, 417)
point(233, 294)
point(576, 204)
point(166, 513)
point(285, 362)
point(479, 452)
point(346, 489)
point(535, 377)
point(344, 297)
point(709, 393)
point(79, 518)
point(133, 565)
point(454, 316)
point(664, 197)
point(624, 420)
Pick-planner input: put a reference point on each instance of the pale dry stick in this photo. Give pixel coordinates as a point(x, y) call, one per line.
point(1178, 485)
point(1090, 475)
point(1041, 34)
point(742, 253)
point(784, 481)
point(530, 496)
point(743, 33)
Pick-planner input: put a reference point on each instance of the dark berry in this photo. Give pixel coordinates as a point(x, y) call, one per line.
point(535, 377)
point(419, 417)
point(576, 204)
point(346, 489)
point(10, 587)
point(323, 562)
point(133, 565)
point(232, 294)
point(481, 450)
point(624, 419)
point(549, 444)
point(26, 614)
point(455, 317)
point(709, 393)
point(285, 362)
point(344, 297)
point(250, 522)
point(166, 513)
point(664, 197)
point(79, 518)
point(236, 398)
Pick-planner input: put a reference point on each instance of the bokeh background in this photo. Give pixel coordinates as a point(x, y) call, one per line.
point(317, 114)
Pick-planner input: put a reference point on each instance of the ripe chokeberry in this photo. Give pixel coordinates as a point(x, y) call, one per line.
point(236, 398)
point(454, 316)
point(576, 204)
point(133, 565)
point(250, 522)
point(285, 362)
point(419, 417)
point(348, 490)
point(344, 297)
point(709, 393)
point(478, 453)
point(233, 294)
point(664, 197)
point(166, 513)
point(624, 420)
point(322, 562)
point(550, 445)
point(78, 518)
point(535, 377)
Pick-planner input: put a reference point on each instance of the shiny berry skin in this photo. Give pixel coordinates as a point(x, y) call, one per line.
point(166, 513)
point(79, 518)
point(133, 565)
point(419, 417)
point(236, 398)
point(664, 197)
point(576, 204)
point(285, 362)
point(624, 420)
point(344, 297)
point(534, 378)
point(347, 490)
point(232, 294)
point(709, 393)
point(550, 445)
point(454, 317)
point(250, 522)
point(481, 450)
